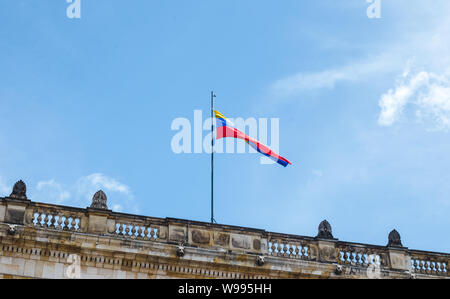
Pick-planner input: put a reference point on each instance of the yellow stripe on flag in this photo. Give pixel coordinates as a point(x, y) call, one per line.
point(219, 115)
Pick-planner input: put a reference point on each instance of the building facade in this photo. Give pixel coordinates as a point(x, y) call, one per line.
point(40, 240)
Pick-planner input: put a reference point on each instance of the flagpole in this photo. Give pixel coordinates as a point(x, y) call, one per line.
point(212, 156)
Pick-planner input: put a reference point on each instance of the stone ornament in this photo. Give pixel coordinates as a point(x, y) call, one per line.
point(12, 229)
point(19, 190)
point(394, 239)
point(180, 251)
point(325, 230)
point(99, 201)
point(339, 269)
point(260, 261)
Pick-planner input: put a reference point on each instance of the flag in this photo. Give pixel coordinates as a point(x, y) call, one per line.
point(225, 128)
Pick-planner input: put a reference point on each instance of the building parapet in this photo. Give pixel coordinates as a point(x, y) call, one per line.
point(267, 250)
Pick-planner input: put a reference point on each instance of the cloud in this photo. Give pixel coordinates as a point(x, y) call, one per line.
point(427, 41)
point(352, 72)
point(51, 191)
point(120, 197)
point(80, 193)
point(427, 93)
point(98, 180)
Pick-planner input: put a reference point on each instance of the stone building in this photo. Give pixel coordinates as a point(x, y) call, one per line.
point(41, 240)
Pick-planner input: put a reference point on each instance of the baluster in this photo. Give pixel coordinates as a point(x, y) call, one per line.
point(133, 231)
point(146, 233)
point(280, 248)
point(52, 221)
point(303, 251)
point(120, 229)
point(342, 258)
point(348, 257)
point(273, 248)
point(364, 258)
point(127, 230)
point(422, 266)
point(46, 220)
point(297, 251)
point(39, 220)
point(139, 232)
point(73, 223)
point(432, 266)
point(418, 265)
point(66, 223)
point(59, 222)
point(414, 265)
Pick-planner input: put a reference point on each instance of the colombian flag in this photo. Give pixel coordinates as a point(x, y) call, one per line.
point(225, 129)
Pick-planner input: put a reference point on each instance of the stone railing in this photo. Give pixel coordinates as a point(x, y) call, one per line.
point(423, 262)
point(137, 227)
point(18, 211)
point(362, 255)
point(297, 247)
point(47, 216)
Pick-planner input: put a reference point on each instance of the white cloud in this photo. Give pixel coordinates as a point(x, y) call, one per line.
point(98, 180)
point(117, 208)
point(51, 191)
point(329, 78)
point(436, 105)
point(119, 196)
point(427, 93)
point(427, 41)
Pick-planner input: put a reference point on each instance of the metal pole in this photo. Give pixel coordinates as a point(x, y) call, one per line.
point(212, 156)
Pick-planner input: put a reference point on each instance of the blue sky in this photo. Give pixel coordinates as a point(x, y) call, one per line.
point(363, 104)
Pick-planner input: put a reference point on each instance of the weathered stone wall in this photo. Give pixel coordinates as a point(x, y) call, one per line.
point(48, 241)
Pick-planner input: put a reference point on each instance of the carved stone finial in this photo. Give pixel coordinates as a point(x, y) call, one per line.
point(19, 190)
point(394, 239)
point(99, 200)
point(325, 230)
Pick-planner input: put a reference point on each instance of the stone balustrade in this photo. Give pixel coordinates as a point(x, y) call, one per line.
point(268, 250)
